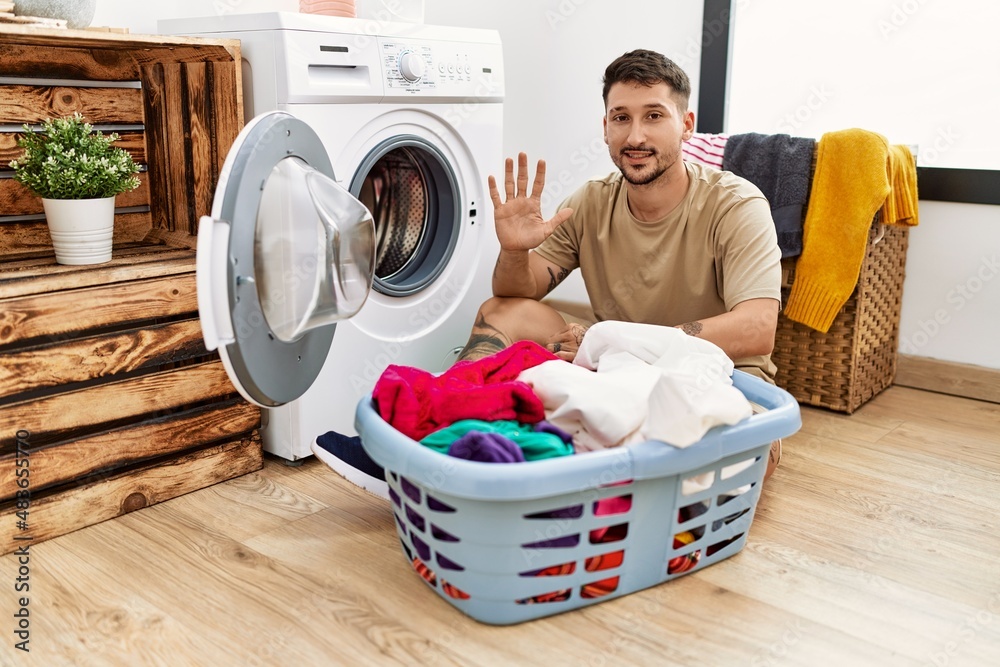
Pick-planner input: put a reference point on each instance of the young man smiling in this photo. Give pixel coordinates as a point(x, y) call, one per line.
point(662, 241)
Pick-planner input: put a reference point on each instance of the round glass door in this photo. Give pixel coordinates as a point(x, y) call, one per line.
point(313, 250)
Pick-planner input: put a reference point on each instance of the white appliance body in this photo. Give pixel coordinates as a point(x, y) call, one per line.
point(430, 93)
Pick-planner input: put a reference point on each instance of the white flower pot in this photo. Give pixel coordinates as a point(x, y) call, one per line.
point(81, 229)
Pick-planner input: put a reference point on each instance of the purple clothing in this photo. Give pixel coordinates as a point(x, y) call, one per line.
point(486, 447)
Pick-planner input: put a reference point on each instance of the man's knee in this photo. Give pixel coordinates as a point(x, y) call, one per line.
point(519, 319)
point(504, 307)
point(521, 314)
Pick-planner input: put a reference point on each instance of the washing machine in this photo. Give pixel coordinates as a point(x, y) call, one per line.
point(405, 119)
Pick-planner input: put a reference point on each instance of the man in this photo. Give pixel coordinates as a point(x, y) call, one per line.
point(661, 242)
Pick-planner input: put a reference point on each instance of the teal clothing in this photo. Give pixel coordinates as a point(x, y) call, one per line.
point(535, 445)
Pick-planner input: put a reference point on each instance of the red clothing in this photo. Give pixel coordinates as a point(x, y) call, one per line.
point(417, 403)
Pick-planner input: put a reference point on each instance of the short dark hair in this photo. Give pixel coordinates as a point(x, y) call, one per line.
point(648, 68)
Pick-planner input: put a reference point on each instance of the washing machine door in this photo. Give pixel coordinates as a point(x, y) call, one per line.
point(286, 253)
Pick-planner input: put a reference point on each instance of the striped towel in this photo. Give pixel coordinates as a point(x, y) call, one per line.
point(705, 148)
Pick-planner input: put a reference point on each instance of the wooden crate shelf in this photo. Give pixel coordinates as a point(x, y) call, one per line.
point(103, 365)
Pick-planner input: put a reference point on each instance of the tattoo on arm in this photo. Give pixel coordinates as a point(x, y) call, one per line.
point(691, 328)
point(484, 341)
point(481, 346)
point(556, 278)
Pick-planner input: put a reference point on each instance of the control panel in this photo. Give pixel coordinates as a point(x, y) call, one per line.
point(440, 67)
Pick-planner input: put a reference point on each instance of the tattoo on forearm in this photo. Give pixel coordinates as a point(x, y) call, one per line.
point(692, 328)
point(556, 278)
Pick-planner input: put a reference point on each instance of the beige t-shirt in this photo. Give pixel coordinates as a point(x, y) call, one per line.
point(716, 249)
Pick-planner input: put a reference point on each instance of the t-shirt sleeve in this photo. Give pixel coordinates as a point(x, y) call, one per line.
point(748, 253)
point(562, 248)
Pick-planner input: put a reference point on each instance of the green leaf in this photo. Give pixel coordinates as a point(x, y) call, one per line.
point(69, 159)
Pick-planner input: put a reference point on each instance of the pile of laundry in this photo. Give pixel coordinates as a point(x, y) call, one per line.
point(629, 383)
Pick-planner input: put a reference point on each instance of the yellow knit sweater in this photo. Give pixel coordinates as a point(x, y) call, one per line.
point(901, 206)
point(850, 184)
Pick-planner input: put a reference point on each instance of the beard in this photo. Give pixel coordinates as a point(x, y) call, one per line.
point(648, 173)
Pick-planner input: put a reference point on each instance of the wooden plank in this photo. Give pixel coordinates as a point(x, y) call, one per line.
point(36, 58)
point(15, 199)
point(102, 55)
point(154, 86)
point(127, 400)
point(39, 274)
point(79, 360)
point(107, 497)
point(26, 235)
point(227, 101)
point(174, 48)
point(173, 134)
point(76, 459)
point(133, 141)
point(202, 172)
point(51, 315)
point(192, 110)
point(35, 104)
point(948, 377)
point(179, 239)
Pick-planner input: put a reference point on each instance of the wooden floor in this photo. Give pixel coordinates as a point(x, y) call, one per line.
point(877, 542)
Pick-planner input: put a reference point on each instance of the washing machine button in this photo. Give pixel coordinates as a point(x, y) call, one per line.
point(411, 66)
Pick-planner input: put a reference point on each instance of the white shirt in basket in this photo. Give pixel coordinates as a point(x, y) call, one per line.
point(634, 382)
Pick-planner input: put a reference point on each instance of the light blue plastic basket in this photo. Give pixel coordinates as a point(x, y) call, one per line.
point(481, 534)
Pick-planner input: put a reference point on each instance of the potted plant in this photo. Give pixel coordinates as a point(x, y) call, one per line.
point(77, 173)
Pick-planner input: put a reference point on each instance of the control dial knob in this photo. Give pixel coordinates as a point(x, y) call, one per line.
point(411, 66)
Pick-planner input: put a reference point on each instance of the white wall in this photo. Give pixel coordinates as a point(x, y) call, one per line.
point(555, 52)
point(951, 297)
point(918, 72)
point(141, 17)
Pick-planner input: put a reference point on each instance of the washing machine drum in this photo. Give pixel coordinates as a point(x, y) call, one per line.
point(286, 253)
point(412, 193)
point(394, 191)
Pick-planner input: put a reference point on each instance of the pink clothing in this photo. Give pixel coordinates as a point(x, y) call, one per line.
point(705, 148)
point(417, 403)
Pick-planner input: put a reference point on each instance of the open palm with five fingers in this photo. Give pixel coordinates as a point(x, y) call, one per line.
point(519, 222)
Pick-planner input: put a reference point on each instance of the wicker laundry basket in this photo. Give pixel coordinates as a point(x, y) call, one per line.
point(506, 543)
point(856, 359)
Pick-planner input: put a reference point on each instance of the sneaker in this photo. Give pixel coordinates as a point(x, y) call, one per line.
point(350, 460)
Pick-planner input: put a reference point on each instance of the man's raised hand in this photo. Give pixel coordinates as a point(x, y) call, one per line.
point(519, 221)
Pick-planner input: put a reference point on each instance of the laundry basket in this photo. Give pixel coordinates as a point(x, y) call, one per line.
point(506, 543)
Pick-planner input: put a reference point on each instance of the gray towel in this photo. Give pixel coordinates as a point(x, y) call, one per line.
point(781, 166)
